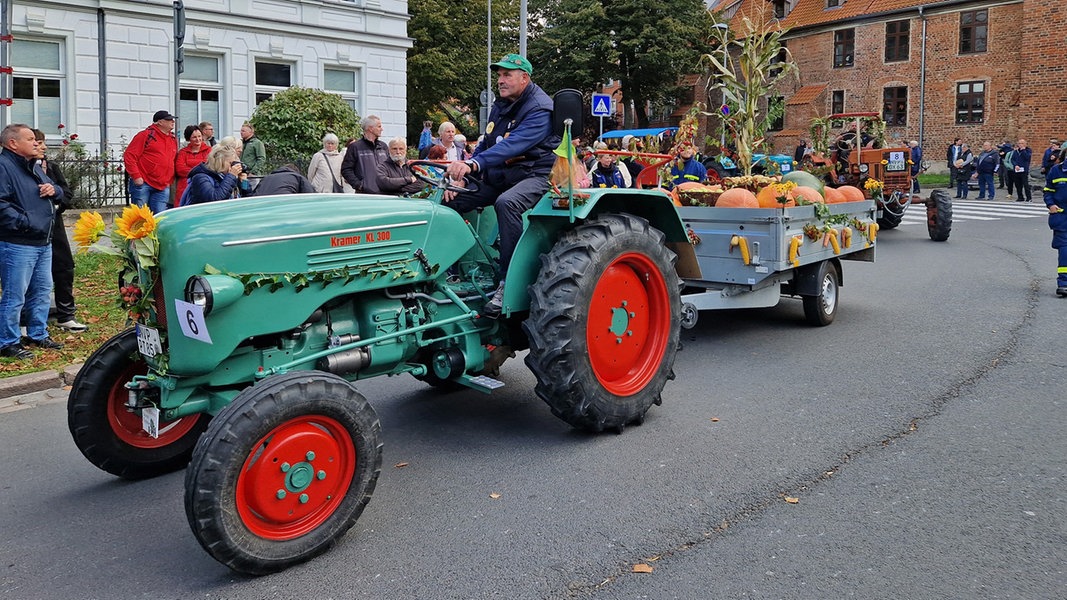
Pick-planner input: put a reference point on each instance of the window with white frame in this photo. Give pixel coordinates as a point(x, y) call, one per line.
point(200, 93)
point(344, 83)
point(38, 84)
point(271, 78)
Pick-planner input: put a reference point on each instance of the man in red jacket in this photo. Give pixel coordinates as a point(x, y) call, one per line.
point(150, 162)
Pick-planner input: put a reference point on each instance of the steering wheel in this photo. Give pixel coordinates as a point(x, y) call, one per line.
point(432, 172)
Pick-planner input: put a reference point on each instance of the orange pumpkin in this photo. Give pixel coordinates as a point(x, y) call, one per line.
point(690, 185)
point(768, 198)
point(833, 195)
point(852, 193)
point(808, 194)
point(737, 198)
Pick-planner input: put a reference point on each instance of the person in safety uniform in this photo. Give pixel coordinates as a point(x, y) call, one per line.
point(511, 162)
point(1056, 200)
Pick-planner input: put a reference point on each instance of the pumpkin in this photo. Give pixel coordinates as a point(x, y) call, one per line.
point(768, 198)
point(737, 198)
point(804, 179)
point(852, 193)
point(833, 195)
point(690, 185)
point(808, 194)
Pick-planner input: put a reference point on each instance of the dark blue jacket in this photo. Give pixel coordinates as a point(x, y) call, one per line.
point(606, 178)
point(206, 185)
point(25, 217)
point(518, 140)
point(1021, 158)
point(988, 162)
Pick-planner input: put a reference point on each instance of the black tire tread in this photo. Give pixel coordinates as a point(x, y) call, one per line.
point(254, 412)
point(939, 215)
point(556, 326)
point(87, 418)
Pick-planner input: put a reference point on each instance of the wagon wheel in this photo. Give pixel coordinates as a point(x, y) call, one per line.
point(110, 435)
point(821, 308)
point(604, 322)
point(283, 472)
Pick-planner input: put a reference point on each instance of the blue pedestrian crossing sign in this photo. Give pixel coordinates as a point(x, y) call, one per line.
point(601, 105)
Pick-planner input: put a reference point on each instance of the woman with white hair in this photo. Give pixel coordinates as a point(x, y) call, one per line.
point(325, 169)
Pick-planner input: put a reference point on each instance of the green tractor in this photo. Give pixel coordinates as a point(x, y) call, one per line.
point(266, 313)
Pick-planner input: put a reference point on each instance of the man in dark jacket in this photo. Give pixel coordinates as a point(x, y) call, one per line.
point(1021, 160)
point(284, 180)
point(1056, 201)
point(27, 210)
point(360, 165)
point(513, 160)
point(987, 165)
point(394, 177)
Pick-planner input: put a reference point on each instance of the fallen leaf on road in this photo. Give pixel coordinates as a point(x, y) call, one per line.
point(792, 500)
point(715, 419)
point(642, 568)
point(400, 465)
point(494, 495)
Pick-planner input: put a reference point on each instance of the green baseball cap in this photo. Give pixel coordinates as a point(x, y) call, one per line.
point(514, 61)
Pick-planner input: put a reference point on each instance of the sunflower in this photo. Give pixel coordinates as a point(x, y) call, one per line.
point(88, 229)
point(136, 222)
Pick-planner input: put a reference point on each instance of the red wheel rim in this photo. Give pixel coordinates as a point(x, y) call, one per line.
point(295, 477)
point(629, 324)
point(127, 425)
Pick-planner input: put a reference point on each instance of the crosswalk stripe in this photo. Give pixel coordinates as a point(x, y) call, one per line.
point(980, 210)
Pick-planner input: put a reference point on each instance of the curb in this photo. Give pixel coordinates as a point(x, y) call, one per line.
point(12, 388)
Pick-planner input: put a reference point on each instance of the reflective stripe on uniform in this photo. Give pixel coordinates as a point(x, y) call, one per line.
point(1060, 180)
point(1061, 270)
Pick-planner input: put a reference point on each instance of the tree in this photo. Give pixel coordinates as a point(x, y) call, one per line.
point(657, 44)
point(292, 123)
point(447, 63)
point(758, 61)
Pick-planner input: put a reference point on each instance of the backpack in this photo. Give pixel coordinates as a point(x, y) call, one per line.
point(1007, 161)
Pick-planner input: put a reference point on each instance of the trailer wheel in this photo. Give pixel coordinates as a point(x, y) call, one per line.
point(939, 215)
point(821, 308)
point(604, 322)
point(283, 472)
point(111, 436)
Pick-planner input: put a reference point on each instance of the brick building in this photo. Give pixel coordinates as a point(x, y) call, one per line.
point(936, 70)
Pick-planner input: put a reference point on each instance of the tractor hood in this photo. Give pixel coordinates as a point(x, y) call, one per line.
point(301, 251)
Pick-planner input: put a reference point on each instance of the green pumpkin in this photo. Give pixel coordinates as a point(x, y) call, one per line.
point(804, 179)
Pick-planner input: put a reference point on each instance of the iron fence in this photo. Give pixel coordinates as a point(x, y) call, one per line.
point(95, 182)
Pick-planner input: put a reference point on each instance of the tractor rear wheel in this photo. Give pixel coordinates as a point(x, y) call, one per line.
point(283, 472)
point(939, 215)
point(604, 322)
point(110, 435)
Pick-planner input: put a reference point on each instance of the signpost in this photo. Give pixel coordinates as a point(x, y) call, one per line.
point(601, 108)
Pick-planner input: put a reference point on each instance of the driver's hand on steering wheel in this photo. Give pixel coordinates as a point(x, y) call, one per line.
point(457, 170)
point(449, 194)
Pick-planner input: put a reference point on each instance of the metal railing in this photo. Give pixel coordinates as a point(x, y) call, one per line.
point(95, 182)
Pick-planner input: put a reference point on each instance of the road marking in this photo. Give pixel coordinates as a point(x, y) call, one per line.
point(980, 210)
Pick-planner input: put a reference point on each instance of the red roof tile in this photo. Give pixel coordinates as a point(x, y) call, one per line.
point(806, 95)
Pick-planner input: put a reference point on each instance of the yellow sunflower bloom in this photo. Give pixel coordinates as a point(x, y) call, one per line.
point(88, 229)
point(136, 222)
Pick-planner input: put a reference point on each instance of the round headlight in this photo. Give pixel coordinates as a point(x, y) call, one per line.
point(864, 168)
point(198, 292)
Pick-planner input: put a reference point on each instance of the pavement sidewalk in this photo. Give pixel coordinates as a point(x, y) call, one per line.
point(31, 389)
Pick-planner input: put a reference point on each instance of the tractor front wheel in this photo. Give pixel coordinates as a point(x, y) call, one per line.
point(604, 322)
point(108, 433)
point(283, 472)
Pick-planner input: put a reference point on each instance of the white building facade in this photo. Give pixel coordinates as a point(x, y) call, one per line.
point(103, 67)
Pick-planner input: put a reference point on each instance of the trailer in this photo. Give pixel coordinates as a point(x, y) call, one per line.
point(752, 257)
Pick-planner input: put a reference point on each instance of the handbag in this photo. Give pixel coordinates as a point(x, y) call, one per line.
point(338, 188)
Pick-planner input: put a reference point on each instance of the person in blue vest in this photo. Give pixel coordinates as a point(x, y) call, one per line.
point(686, 167)
point(511, 162)
point(1056, 200)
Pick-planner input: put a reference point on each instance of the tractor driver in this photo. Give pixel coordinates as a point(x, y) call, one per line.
point(511, 162)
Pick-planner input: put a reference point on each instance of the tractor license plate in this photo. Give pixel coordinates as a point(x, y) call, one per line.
point(148, 343)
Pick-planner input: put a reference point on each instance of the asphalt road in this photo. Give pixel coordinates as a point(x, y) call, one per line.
point(921, 435)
